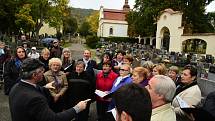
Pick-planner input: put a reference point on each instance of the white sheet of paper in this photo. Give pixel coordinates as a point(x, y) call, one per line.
point(182, 103)
point(67, 67)
point(113, 111)
point(100, 93)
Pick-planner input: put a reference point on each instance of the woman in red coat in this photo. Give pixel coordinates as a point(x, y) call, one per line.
point(104, 82)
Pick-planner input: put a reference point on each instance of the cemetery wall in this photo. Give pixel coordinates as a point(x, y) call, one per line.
point(208, 37)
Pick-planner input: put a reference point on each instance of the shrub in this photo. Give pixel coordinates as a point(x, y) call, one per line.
point(92, 41)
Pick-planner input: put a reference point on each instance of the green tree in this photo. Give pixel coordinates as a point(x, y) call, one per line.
point(211, 18)
point(70, 25)
point(29, 15)
point(7, 16)
point(58, 12)
point(84, 29)
point(144, 16)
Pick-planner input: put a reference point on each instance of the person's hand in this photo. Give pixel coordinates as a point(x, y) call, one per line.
point(83, 104)
point(56, 97)
point(67, 73)
point(107, 92)
point(50, 85)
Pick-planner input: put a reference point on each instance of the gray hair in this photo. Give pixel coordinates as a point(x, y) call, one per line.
point(52, 60)
point(66, 50)
point(80, 63)
point(149, 65)
point(174, 68)
point(28, 75)
point(165, 86)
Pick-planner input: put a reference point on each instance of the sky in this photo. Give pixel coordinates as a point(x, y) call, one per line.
point(114, 4)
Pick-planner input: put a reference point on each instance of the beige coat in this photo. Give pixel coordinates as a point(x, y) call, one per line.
point(61, 77)
point(163, 113)
point(192, 96)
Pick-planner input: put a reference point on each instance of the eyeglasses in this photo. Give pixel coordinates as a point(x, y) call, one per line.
point(123, 69)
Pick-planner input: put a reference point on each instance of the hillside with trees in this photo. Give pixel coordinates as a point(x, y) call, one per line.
point(81, 14)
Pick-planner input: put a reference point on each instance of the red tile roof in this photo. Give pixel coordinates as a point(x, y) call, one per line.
point(112, 14)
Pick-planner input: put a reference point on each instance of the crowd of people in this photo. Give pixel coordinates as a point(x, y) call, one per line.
point(53, 86)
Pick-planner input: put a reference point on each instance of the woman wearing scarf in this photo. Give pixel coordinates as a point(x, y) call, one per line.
point(60, 84)
point(188, 91)
point(12, 69)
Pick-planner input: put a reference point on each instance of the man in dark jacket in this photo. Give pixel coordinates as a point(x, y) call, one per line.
point(56, 50)
point(28, 103)
point(89, 63)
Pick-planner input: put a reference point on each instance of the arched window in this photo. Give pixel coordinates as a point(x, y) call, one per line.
point(111, 31)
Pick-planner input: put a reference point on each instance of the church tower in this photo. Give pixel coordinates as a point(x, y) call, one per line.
point(126, 7)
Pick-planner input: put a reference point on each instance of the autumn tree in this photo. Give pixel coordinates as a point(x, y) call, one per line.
point(24, 20)
point(93, 21)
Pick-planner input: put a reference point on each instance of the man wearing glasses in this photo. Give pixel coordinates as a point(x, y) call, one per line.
point(56, 50)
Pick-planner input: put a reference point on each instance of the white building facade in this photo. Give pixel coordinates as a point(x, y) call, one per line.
point(112, 22)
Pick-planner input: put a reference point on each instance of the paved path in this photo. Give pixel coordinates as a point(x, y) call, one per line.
point(77, 52)
point(4, 107)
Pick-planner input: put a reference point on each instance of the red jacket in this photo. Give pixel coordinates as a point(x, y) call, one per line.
point(105, 84)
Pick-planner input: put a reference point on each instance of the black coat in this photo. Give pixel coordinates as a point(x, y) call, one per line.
point(80, 87)
point(68, 67)
point(45, 62)
point(28, 103)
point(209, 104)
point(11, 75)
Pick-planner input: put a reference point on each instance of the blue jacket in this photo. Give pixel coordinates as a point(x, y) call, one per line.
point(123, 82)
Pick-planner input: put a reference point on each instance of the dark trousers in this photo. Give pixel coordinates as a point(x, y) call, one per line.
point(102, 114)
point(58, 106)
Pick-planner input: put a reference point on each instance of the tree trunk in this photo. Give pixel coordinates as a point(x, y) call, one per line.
point(37, 29)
